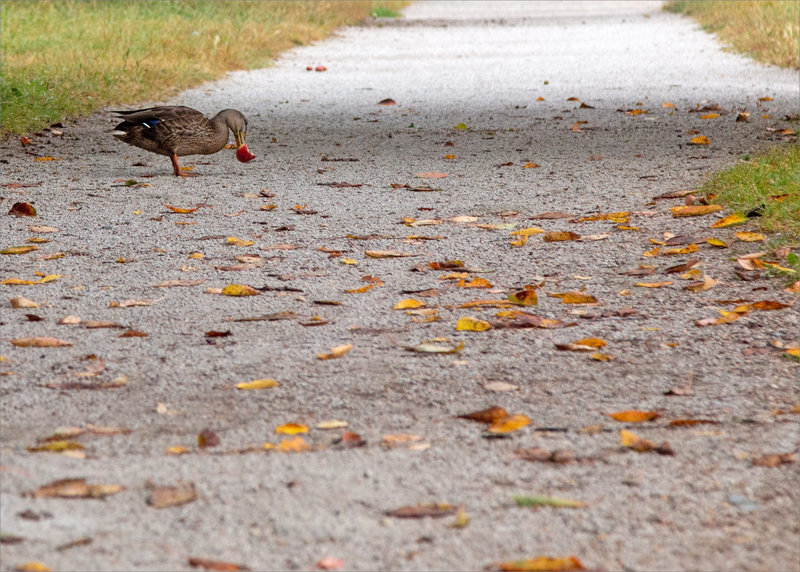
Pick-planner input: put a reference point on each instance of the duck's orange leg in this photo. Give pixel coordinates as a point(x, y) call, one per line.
point(177, 170)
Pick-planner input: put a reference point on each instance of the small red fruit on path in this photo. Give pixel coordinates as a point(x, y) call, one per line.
point(243, 154)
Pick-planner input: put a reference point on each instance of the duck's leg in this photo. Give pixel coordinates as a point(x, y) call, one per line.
point(177, 170)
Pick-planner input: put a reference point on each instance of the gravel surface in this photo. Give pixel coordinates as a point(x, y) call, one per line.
point(544, 93)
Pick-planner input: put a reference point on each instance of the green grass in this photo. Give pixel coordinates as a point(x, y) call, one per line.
point(768, 181)
point(765, 30)
point(66, 58)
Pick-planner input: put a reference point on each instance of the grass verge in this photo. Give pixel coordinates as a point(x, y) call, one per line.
point(766, 30)
point(66, 58)
point(766, 183)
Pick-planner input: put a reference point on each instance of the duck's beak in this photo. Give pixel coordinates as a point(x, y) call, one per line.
point(239, 137)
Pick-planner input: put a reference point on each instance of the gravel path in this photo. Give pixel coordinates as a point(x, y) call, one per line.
point(528, 108)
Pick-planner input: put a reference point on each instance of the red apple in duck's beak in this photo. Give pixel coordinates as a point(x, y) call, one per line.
point(243, 154)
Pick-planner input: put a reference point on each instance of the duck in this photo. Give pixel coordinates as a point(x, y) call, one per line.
point(178, 131)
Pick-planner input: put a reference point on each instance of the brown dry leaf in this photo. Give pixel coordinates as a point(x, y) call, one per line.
point(74, 488)
point(583, 345)
point(329, 563)
point(763, 305)
point(690, 422)
point(96, 324)
point(336, 352)
point(22, 302)
point(470, 324)
point(22, 209)
point(775, 460)
point(574, 298)
point(387, 254)
point(509, 424)
point(132, 334)
point(520, 319)
point(558, 236)
point(431, 175)
point(207, 438)
point(405, 440)
point(618, 217)
point(634, 416)
point(216, 565)
point(694, 210)
point(173, 283)
point(541, 564)
point(489, 416)
point(387, 101)
point(165, 497)
point(40, 342)
point(688, 265)
point(432, 510)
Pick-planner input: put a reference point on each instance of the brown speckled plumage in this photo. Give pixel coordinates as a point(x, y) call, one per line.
point(177, 131)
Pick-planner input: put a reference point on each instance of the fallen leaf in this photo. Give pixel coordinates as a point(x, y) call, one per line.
point(574, 298)
point(691, 422)
point(216, 565)
point(751, 236)
point(470, 324)
point(716, 242)
point(257, 384)
point(675, 194)
point(730, 220)
point(543, 500)
point(700, 140)
point(560, 236)
point(329, 563)
point(500, 386)
point(429, 348)
point(22, 209)
point(583, 345)
point(474, 283)
point(703, 285)
point(291, 429)
point(40, 342)
point(33, 566)
point(181, 210)
point(239, 290)
point(57, 447)
point(296, 445)
point(541, 564)
point(422, 511)
point(694, 210)
point(431, 175)
point(634, 416)
point(488, 416)
point(74, 488)
point(387, 254)
point(207, 439)
point(654, 284)
point(19, 249)
point(22, 302)
point(525, 297)
point(167, 496)
point(173, 283)
point(775, 460)
point(509, 424)
point(409, 304)
point(336, 352)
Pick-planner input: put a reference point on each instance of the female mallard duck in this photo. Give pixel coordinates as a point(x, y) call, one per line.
point(177, 131)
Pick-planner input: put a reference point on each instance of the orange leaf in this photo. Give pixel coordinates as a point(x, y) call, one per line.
point(490, 415)
point(291, 429)
point(574, 298)
point(541, 564)
point(730, 220)
point(40, 342)
point(179, 209)
point(336, 352)
point(559, 236)
point(633, 416)
point(694, 210)
point(431, 175)
point(700, 140)
point(296, 445)
point(474, 283)
point(509, 424)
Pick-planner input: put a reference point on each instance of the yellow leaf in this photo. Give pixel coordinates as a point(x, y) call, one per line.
point(19, 249)
point(296, 445)
point(332, 424)
point(717, 242)
point(618, 217)
point(530, 166)
point(700, 140)
point(526, 297)
point(527, 231)
point(43, 159)
point(409, 304)
point(196, 255)
point(653, 252)
point(257, 384)
point(793, 352)
point(601, 357)
point(291, 429)
point(467, 323)
point(730, 220)
point(336, 352)
point(349, 261)
point(450, 157)
point(176, 450)
point(181, 210)
point(239, 290)
point(634, 416)
point(709, 116)
point(34, 566)
point(694, 210)
point(239, 241)
point(364, 288)
point(688, 249)
point(707, 283)
point(750, 236)
point(541, 564)
point(574, 298)
point(56, 447)
point(474, 283)
point(509, 424)
point(633, 441)
point(583, 345)
point(521, 241)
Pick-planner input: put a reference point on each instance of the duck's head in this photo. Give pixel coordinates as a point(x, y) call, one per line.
point(237, 123)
